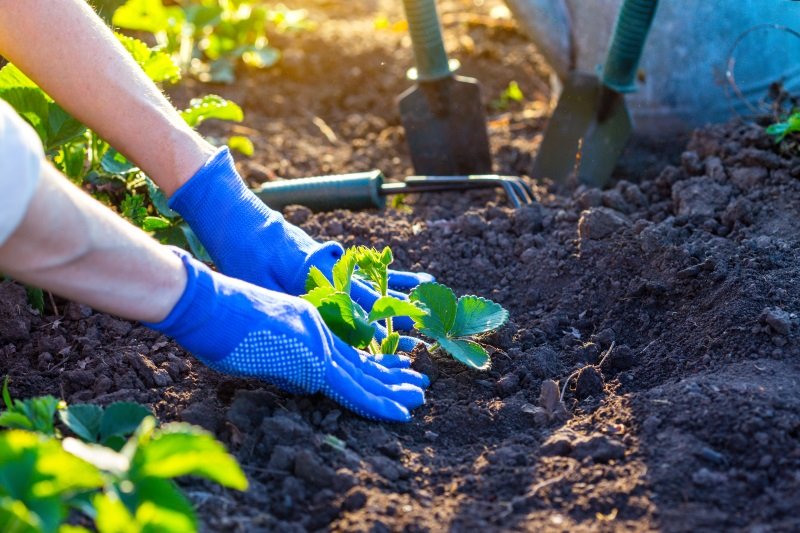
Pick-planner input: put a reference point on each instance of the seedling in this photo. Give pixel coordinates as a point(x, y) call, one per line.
point(780, 130)
point(455, 323)
point(452, 322)
point(510, 94)
point(346, 318)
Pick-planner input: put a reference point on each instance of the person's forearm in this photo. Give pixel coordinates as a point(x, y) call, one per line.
point(70, 244)
point(66, 49)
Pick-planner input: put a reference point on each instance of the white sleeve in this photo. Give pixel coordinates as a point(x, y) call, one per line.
point(21, 158)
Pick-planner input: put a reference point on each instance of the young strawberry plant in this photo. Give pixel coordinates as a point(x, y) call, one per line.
point(782, 129)
point(453, 323)
point(346, 318)
point(119, 472)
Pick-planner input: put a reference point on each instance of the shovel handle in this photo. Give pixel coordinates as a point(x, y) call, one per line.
point(426, 39)
point(326, 193)
point(627, 44)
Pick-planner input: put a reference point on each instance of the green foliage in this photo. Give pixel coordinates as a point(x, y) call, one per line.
point(511, 94)
point(90, 162)
point(35, 414)
point(35, 298)
point(437, 313)
point(210, 38)
point(451, 322)
point(124, 483)
point(780, 130)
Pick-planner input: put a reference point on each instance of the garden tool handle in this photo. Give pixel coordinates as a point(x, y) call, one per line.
point(627, 43)
point(325, 193)
point(426, 39)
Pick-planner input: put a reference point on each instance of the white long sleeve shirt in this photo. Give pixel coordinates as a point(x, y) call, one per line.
point(21, 159)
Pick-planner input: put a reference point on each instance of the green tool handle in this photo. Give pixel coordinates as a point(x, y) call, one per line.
point(325, 193)
point(426, 38)
point(627, 44)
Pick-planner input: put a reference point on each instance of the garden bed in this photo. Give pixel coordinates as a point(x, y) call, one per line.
point(686, 276)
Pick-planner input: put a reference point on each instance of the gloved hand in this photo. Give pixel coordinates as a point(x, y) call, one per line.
point(245, 330)
point(249, 241)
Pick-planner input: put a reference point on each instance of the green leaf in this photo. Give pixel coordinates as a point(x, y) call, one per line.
point(7, 395)
point(101, 457)
point(159, 200)
point(160, 506)
point(476, 315)
point(441, 303)
point(347, 320)
point(389, 306)
point(317, 279)
point(261, 56)
point(35, 298)
point(121, 419)
point(72, 159)
point(114, 162)
point(158, 65)
point(372, 266)
point(83, 420)
point(195, 246)
point(142, 15)
point(241, 144)
point(112, 515)
point(14, 420)
point(343, 271)
point(16, 517)
point(468, 352)
point(12, 77)
point(61, 127)
point(154, 223)
point(179, 449)
point(133, 208)
point(317, 295)
point(211, 107)
point(390, 343)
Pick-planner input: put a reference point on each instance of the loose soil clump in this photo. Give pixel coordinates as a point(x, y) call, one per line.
point(673, 297)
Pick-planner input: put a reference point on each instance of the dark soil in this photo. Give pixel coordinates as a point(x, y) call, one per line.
point(672, 299)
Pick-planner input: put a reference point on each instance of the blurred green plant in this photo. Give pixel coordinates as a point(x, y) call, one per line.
point(118, 473)
point(210, 38)
point(510, 94)
point(782, 129)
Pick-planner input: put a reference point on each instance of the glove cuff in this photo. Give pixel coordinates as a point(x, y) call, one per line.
point(188, 321)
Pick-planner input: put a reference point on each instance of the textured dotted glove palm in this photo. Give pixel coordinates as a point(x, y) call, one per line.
point(241, 329)
point(249, 241)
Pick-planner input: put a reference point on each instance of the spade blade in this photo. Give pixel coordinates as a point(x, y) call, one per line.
point(604, 141)
point(446, 127)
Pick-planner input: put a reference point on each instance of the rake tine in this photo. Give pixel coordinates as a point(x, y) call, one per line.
point(521, 191)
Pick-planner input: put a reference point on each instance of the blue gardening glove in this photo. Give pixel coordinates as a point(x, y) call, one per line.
point(249, 241)
point(241, 329)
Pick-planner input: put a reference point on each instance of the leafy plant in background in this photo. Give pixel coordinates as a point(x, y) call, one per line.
point(118, 473)
point(453, 323)
point(781, 130)
point(91, 163)
point(209, 38)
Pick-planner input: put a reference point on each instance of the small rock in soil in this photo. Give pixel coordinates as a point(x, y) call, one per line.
point(700, 197)
point(599, 448)
point(385, 467)
point(600, 222)
point(706, 478)
point(748, 177)
point(354, 501)
point(423, 363)
point(557, 445)
point(621, 358)
point(545, 362)
point(249, 408)
point(204, 414)
point(778, 319)
point(589, 382)
point(282, 458)
point(604, 337)
point(309, 467)
point(507, 385)
point(74, 311)
point(589, 198)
